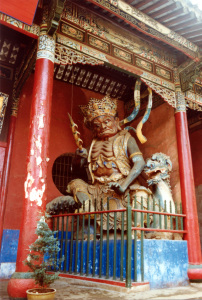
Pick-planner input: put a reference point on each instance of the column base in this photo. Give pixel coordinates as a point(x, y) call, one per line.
point(195, 272)
point(19, 283)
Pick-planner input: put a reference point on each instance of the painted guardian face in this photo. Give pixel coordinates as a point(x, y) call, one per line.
point(105, 126)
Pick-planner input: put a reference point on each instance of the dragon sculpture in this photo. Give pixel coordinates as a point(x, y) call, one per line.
point(158, 169)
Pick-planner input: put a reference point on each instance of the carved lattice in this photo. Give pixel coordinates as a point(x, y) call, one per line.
point(67, 56)
point(166, 94)
point(3, 105)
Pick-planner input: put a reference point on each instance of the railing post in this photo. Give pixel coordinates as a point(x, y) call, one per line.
point(129, 244)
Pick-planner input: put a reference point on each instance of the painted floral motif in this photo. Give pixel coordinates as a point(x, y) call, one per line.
point(180, 102)
point(94, 53)
point(67, 42)
point(163, 73)
point(143, 64)
point(97, 43)
point(122, 54)
point(46, 43)
point(73, 32)
point(46, 47)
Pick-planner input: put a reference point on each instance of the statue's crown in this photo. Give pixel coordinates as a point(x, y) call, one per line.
point(97, 107)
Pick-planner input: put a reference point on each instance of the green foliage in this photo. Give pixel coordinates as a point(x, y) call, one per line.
point(43, 254)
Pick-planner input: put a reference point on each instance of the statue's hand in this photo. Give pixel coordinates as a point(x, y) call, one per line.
point(81, 153)
point(117, 187)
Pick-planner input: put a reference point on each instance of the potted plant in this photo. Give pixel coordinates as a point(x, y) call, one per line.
point(43, 254)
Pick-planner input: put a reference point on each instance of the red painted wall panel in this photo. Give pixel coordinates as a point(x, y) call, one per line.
point(160, 132)
point(196, 149)
point(21, 10)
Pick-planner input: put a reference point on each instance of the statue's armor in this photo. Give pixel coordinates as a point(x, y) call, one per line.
point(111, 154)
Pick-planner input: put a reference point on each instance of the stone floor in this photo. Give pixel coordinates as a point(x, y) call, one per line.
point(69, 289)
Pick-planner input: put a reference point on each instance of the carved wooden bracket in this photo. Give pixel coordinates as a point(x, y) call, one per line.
point(55, 8)
point(189, 74)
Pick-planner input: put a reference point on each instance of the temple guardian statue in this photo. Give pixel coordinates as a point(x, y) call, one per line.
point(114, 162)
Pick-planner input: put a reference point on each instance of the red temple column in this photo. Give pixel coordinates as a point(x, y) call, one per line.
point(6, 167)
point(188, 190)
point(37, 159)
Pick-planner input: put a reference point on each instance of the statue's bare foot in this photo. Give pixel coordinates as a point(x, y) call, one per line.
point(61, 204)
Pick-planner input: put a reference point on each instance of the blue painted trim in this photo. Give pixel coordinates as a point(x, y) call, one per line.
point(9, 246)
point(165, 261)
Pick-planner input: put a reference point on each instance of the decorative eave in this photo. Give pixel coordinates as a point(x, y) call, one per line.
point(189, 72)
point(32, 31)
point(148, 26)
point(63, 45)
point(55, 9)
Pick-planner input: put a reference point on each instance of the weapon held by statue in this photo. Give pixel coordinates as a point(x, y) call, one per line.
point(76, 134)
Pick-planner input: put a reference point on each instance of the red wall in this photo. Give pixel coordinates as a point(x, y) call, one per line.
point(160, 132)
point(66, 98)
point(196, 149)
point(18, 161)
point(6, 87)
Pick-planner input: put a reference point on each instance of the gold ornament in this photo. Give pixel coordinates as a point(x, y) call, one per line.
point(96, 107)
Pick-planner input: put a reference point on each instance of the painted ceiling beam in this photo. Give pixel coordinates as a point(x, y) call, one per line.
point(193, 33)
point(171, 15)
point(164, 10)
point(183, 24)
point(197, 38)
point(189, 28)
point(154, 6)
point(130, 1)
point(142, 3)
point(177, 20)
